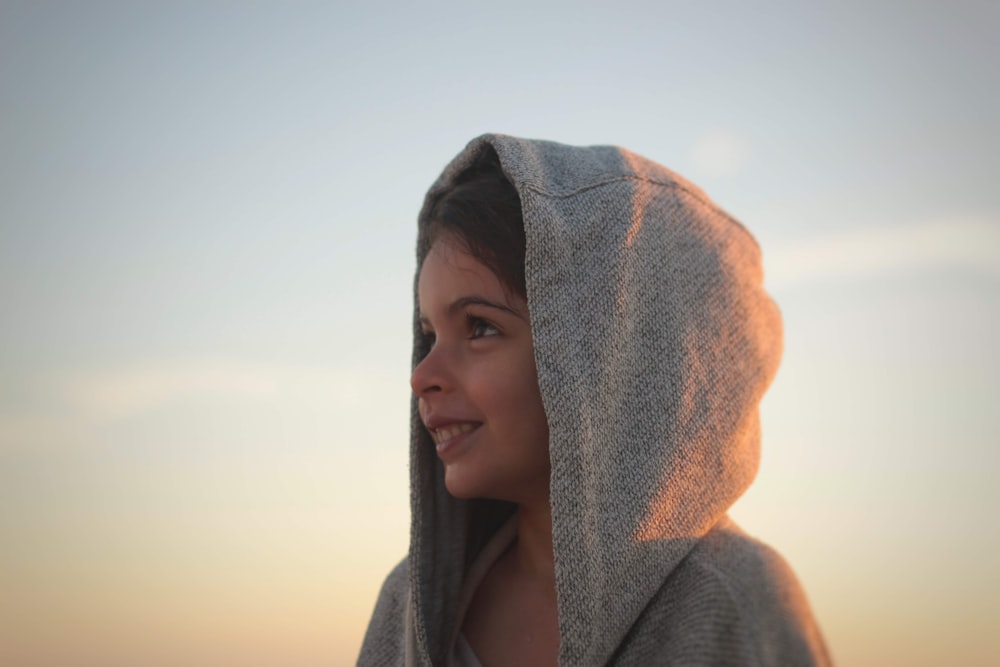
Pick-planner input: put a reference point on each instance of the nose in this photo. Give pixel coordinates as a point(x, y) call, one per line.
point(429, 375)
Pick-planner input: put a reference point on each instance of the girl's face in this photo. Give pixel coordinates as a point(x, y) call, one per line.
point(477, 388)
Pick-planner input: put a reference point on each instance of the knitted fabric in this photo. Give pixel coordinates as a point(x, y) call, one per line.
point(654, 342)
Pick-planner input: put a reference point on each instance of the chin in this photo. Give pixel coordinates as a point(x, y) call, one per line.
point(469, 481)
point(462, 485)
point(465, 485)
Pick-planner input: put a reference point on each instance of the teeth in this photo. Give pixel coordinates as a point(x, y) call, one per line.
point(448, 432)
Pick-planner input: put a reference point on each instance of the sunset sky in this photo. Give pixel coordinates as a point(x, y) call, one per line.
point(207, 227)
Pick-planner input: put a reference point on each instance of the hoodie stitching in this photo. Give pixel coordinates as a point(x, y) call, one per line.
point(700, 198)
point(739, 596)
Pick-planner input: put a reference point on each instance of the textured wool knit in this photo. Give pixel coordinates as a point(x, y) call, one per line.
point(654, 342)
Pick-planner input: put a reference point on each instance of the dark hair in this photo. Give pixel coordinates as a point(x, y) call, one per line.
point(482, 211)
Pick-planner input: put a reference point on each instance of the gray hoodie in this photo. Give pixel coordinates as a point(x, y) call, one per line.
point(654, 341)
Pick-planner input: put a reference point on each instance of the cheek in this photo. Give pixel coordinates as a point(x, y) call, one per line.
point(518, 399)
point(504, 389)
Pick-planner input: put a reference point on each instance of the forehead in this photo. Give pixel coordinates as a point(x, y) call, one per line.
point(449, 272)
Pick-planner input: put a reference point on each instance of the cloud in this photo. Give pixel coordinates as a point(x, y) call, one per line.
point(42, 430)
point(719, 154)
point(71, 407)
point(110, 395)
point(865, 253)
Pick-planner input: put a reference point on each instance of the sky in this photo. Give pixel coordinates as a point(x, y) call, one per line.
point(207, 228)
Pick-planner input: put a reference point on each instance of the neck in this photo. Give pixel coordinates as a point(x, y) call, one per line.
point(533, 555)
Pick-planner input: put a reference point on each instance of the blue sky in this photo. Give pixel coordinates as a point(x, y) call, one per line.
point(206, 255)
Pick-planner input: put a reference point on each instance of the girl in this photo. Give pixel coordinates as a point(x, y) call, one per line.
point(592, 340)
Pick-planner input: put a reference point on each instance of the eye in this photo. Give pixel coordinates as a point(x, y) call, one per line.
point(428, 338)
point(480, 328)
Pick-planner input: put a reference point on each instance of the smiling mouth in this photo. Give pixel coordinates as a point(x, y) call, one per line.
point(446, 433)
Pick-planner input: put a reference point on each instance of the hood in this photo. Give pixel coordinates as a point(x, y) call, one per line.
point(654, 341)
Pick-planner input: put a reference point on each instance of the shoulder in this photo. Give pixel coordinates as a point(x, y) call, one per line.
point(732, 601)
point(398, 578)
point(748, 570)
point(384, 642)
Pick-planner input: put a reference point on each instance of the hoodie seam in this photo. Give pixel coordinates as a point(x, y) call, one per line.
point(673, 185)
point(739, 598)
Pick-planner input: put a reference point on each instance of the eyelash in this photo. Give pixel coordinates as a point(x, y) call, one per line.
point(474, 325)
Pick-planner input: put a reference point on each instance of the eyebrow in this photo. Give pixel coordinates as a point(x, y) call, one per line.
point(463, 302)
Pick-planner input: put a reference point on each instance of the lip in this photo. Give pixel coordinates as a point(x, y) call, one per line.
point(458, 441)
